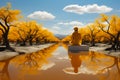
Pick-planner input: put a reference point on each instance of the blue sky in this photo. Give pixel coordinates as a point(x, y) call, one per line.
point(60, 16)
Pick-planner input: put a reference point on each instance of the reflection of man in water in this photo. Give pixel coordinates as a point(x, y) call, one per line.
point(75, 61)
point(76, 37)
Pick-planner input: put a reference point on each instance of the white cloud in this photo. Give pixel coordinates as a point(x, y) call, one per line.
point(41, 15)
point(54, 31)
point(56, 27)
point(65, 28)
point(72, 23)
point(87, 9)
point(60, 30)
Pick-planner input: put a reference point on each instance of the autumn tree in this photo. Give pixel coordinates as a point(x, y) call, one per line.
point(13, 36)
point(30, 32)
point(112, 28)
point(45, 36)
point(0, 37)
point(50, 37)
point(7, 18)
point(67, 39)
point(26, 31)
point(92, 33)
point(33, 30)
point(103, 38)
point(21, 30)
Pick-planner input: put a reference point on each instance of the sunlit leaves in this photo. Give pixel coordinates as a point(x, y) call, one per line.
point(67, 39)
point(104, 17)
point(6, 13)
point(30, 31)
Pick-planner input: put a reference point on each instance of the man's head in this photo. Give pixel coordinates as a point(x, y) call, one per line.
point(75, 28)
point(76, 70)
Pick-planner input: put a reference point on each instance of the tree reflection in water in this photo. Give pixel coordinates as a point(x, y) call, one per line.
point(95, 63)
point(26, 64)
point(4, 73)
point(112, 74)
point(34, 61)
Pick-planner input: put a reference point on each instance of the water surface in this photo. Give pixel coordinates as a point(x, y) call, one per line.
point(56, 63)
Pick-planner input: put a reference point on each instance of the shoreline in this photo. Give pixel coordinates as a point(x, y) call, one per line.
point(22, 50)
point(101, 48)
point(34, 48)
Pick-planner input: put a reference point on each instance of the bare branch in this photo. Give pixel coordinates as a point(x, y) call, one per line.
point(6, 23)
point(3, 26)
point(2, 30)
point(100, 26)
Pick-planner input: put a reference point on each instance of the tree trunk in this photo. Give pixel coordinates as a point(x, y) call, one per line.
point(37, 41)
point(118, 42)
point(23, 43)
point(93, 42)
point(30, 42)
point(6, 41)
point(115, 45)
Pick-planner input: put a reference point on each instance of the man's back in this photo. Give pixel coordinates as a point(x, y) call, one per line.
point(76, 38)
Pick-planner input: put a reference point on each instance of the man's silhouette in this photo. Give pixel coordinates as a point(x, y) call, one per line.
point(75, 61)
point(76, 37)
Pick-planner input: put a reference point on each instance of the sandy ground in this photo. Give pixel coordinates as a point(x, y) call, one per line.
point(101, 48)
point(20, 49)
point(30, 49)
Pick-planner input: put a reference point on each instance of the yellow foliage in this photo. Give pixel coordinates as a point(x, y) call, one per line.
point(115, 24)
point(67, 39)
point(9, 14)
point(104, 17)
point(25, 30)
